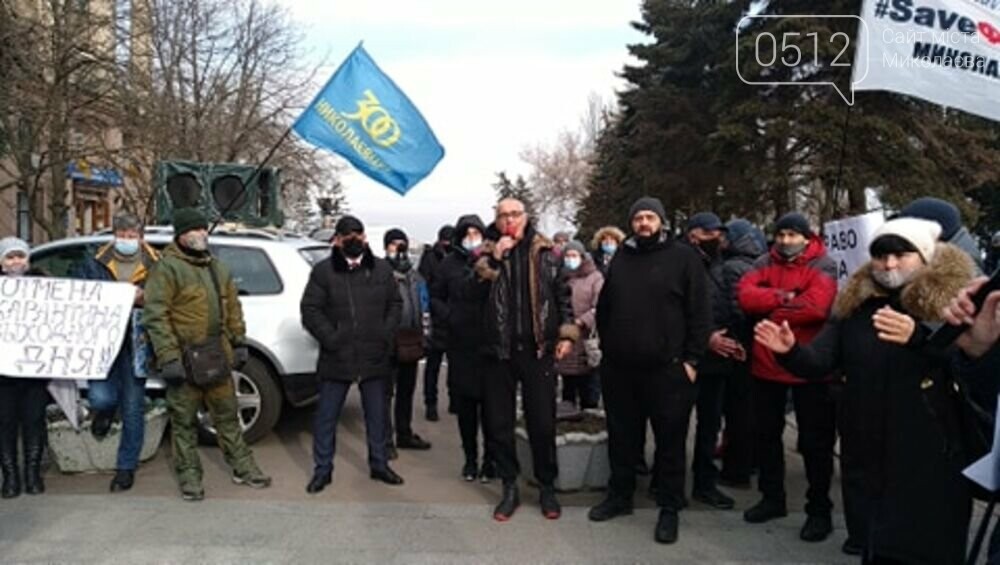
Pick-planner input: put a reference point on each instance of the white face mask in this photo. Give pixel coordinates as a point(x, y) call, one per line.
point(893, 279)
point(471, 244)
point(15, 270)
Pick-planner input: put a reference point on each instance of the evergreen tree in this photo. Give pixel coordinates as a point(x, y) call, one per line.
point(518, 189)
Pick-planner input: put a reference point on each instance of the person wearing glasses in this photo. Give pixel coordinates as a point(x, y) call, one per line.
point(528, 324)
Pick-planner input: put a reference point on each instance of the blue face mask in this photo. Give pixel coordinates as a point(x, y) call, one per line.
point(127, 247)
point(572, 263)
point(609, 248)
point(471, 244)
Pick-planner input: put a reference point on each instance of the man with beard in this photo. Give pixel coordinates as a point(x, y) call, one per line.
point(653, 317)
point(528, 321)
point(352, 306)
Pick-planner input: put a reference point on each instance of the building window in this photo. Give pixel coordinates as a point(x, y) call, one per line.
point(23, 217)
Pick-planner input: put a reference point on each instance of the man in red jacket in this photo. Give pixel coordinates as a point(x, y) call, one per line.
point(796, 282)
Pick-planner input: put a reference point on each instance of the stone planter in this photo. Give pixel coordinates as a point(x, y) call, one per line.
point(78, 452)
point(582, 454)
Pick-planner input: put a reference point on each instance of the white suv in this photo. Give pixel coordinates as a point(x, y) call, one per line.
point(271, 271)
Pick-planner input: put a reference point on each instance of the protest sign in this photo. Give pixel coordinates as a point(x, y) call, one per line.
point(944, 51)
point(847, 242)
point(62, 328)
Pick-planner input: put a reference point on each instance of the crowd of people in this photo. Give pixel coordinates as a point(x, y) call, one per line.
point(648, 325)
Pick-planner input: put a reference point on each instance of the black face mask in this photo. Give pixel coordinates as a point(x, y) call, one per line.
point(710, 247)
point(401, 259)
point(353, 247)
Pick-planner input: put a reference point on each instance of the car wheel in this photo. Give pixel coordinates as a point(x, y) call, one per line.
point(258, 404)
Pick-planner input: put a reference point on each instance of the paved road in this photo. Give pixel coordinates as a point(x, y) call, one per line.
point(435, 517)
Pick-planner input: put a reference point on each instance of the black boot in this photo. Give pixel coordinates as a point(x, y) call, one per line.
point(549, 503)
point(34, 447)
point(8, 465)
point(508, 504)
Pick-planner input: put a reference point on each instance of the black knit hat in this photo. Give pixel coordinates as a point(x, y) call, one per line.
point(795, 222)
point(648, 204)
point(446, 233)
point(348, 225)
point(395, 234)
point(187, 219)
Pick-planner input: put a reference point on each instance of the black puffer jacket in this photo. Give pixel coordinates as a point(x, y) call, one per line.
point(353, 314)
point(743, 251)
point(719, 301)
point(457, 296)
point(548, 297)
point(430, 264)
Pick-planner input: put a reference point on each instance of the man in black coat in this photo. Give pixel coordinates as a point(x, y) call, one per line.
point(745, 243)
point(352, 307)
point(654, 320)
point(705, 235)
point(430, 262)
point(528, 320)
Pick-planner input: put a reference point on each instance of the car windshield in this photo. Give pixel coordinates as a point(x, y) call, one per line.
point(314, 255)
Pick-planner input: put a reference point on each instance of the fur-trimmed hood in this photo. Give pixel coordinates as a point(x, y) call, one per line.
point(925, 296)
point(606, 231)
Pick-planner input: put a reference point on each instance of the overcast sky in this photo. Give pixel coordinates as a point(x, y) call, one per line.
point(489, 77)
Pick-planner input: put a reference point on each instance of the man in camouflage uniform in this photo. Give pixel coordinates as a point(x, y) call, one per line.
point(182, 309)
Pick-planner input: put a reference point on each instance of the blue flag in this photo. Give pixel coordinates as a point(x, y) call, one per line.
point(365, 118)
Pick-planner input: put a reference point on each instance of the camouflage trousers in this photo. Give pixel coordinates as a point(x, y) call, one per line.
point(183, 403)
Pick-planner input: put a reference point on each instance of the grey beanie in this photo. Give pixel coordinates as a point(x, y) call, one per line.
point(9, 245)
point(575, 245)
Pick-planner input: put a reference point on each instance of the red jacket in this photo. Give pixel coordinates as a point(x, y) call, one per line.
point(811, 278)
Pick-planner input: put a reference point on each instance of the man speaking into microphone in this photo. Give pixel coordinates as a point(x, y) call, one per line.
point(528, 322)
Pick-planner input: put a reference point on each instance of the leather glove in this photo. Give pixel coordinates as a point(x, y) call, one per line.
point(173, 373)
point(240, 357)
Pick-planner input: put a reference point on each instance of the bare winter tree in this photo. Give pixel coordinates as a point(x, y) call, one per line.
point(222, 82)
point(125, 83)
point(57, 70)
point(560, 171)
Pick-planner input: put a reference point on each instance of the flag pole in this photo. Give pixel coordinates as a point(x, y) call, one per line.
point(843, 151)
point(253, 177)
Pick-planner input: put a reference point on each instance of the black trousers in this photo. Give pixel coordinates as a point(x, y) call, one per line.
point(737, 409)
point(709, 409)
point(852, 471)
point(538, 393)
point(432, 369)
point(815, 412)
point(465, 371)
point(585, 389)
point(471, 416)
point(22, 408)
point(667, 396)
point(404, 384)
